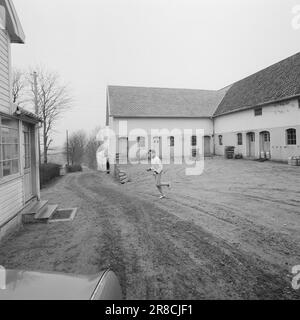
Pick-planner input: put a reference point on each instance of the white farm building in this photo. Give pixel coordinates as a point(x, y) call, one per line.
point(257, 115)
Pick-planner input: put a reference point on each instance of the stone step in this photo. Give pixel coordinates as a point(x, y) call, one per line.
point(29, 205)
point(46, 213)
point(36, 207)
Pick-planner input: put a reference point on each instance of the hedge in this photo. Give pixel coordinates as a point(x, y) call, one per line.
point(74, 168)
point(48, 171)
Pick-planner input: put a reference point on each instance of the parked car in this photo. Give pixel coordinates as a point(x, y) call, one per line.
point(24, 285)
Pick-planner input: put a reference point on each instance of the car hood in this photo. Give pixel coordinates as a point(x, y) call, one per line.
point(25, 285)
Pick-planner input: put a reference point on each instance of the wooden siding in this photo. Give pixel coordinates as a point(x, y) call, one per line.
point(4, 73)
point(11, 195)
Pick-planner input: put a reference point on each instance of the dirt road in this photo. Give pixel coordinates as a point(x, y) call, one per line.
point(232, 233)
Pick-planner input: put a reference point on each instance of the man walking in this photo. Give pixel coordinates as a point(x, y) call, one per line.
point(157, 169)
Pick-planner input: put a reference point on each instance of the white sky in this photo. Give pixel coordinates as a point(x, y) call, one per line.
point(204, 44)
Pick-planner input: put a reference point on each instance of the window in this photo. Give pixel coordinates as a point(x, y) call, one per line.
point(257, 112)
point(239, 139)
point(27, 148)
point(291, 136)
point(194, 141)
point(9, 147)
point(141, 142)
point(220, 140)
point(194, 153)
point(156, 139)
point(171, 141)
point(251, 136)
point(266, 136)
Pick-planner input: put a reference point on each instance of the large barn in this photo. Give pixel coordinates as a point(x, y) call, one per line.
point(259, 116)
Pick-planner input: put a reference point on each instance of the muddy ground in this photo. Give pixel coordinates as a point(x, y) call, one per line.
point(231, 233)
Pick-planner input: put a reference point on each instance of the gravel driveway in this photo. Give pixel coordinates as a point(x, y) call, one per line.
point(231, 233)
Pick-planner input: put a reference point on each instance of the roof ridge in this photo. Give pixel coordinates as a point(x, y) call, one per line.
point(276, 82)
point(164, 88)
point(264, 69)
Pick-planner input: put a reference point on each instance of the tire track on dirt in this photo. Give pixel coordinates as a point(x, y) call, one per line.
point(219, 260)
point(259, 237)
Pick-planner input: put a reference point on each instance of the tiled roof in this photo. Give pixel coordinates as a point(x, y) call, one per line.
point(277, 82)
point(162, 102)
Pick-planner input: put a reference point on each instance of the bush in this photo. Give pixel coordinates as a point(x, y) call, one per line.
point(74, 168)
point(48, 171)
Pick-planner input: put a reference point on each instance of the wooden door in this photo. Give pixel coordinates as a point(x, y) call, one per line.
point(28, 144)
point(123, 149)
point(171, 143)
point(157, 146)
point(265, 141)
point(207, 151)
point(251, 144)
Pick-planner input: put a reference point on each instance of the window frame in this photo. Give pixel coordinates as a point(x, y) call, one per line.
point(220, 140)
point(143, 139)
point(256, 110)
point(194, 141)
point(289, 138)
point(27, 156)
point(266, 136)
point(171, 141)
point(239, 139)
point(12, 176)
point(194, 153)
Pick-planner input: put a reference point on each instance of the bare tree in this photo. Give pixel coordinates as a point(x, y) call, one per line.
point(52, 99)
point(76, 147)
point(91, 148)
point(19, 85)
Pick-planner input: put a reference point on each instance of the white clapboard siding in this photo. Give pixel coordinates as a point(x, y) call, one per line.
point(4, 73)
point(11, 199)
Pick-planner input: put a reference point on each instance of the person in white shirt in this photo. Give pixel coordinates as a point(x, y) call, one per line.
point(157, 169)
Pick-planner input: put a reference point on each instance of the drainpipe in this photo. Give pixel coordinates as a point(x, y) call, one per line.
point(214, 144)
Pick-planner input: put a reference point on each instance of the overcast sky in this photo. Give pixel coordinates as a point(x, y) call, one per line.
point(202, 44)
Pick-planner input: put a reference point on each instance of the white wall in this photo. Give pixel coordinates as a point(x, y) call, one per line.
point(4, 72)
point(11, 188)
point(277, 115)
point(275, 118)
point(148, 124)
point(11, 198)
point(167, 123)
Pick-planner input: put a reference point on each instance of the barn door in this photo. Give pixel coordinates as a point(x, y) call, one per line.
point(207, 152)
point(265, 141)
point(251, 144)
point(157, 146)
point(171, 143)
point(123, 150)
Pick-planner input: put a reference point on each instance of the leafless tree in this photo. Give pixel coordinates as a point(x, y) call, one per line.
point(91, 148)
point(52, 99)
point(19, 85)
point(76, 147)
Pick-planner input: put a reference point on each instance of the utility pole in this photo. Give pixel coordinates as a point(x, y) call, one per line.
point(35, 93)
point(36, 105)
point(68, 160)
